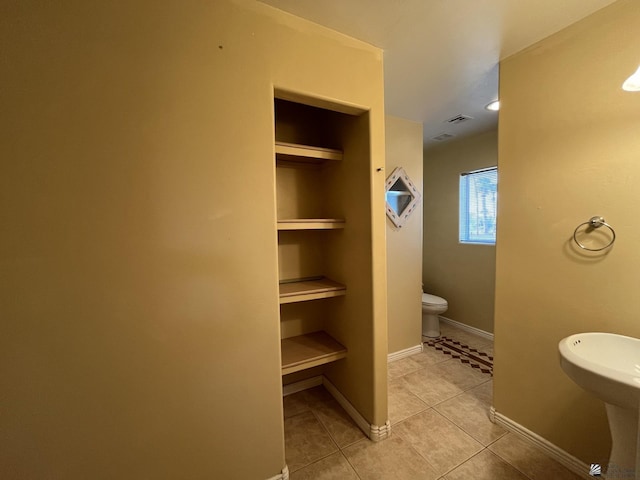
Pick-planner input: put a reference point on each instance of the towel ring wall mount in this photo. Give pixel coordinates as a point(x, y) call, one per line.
point(593, 223)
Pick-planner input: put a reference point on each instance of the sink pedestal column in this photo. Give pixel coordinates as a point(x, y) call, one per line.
point(623, 424)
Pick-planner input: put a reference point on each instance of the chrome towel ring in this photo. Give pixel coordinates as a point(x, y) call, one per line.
point(595, 222)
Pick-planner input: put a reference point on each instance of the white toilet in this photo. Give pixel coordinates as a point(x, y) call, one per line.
point(432, 306)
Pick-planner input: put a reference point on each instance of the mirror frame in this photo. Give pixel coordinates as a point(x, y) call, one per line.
point(400, 218)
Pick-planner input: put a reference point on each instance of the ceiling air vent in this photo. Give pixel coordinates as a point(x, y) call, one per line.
point(459, 119)
point(442, 136)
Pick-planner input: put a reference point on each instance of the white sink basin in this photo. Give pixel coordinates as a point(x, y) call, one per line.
point(608, 366)
point(604, 364)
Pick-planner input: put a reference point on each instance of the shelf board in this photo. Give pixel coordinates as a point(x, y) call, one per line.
point(310, 224)
point(303, 290)
point(305, 153)
point(308, 351)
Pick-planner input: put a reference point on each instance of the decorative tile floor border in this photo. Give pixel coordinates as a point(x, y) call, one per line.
point(464, 353)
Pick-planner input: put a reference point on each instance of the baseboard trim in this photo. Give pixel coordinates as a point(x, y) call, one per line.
point(374, 432)
point(566, 459)
point(284, 475)
point(377, 433)
point(463, 326)
point(407, 352)
point(301, 385)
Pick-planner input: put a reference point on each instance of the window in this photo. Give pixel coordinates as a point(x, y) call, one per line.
point(478, 198)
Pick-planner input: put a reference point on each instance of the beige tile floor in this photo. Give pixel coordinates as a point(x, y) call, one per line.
point(439, 411)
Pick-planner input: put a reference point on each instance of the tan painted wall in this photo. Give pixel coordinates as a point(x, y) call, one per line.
point(138, 260)
point(462, 274)
point(568, 150)
point(404, 245)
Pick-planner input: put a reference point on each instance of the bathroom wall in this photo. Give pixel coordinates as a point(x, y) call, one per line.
point(462, 274)
point(403, 145)
point(138, 284)
point(568, 150)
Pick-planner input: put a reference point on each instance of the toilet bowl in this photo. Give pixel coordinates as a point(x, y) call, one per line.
point(432, 306)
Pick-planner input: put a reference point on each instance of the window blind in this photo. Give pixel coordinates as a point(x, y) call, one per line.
point(478, 206)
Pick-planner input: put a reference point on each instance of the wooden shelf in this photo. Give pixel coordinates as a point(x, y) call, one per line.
point(311, 350)
point(311, 224)
point(303, 290)
point(305, 153)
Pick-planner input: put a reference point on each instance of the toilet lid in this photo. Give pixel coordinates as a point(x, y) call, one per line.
point(429, 299)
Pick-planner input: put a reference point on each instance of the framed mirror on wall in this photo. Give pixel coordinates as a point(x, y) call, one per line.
point(402, 197)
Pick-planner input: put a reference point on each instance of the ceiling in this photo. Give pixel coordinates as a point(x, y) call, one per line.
point(441, 56)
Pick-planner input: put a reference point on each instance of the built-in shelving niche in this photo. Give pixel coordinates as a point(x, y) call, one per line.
point(311, 220)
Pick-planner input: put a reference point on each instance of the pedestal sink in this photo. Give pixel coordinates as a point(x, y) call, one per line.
point(608, 366)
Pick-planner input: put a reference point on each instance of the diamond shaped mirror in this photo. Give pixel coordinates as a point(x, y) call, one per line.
point(401, 195)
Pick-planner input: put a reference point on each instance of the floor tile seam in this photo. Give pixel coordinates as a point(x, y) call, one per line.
point(489, 375)
point(410, 445)
point(466, 392)
point(508, 462)
point(459, 428)
point(410, 416)
point(462, 463)
point(317, 417)
point(461, 392)
point(440, 401)
point(353, 467)
point(318, 460)
point(292, 470)
point(447, 420)
point(497, 439)
point(470, 433)
point(433, 363)
point(455, 396)
point(535, 448)
point(425, 369)
point(404, 374)
point(479, 385)
point(426, 405)
point(347, 445)
point(296, 415)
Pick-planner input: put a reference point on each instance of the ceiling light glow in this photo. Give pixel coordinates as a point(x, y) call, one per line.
point(493, 106)
point(632, 84)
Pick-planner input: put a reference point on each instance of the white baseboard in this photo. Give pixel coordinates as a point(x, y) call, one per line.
point(407, 352)
point(301, 385)
point(284, 475)
point(572, 463)
point(462, 326)
point(374, 432)
point(377, 433)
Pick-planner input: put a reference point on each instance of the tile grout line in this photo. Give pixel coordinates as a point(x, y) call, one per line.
point(335, 444)
point(462, 463)
point(349, 461)
point(507, 461)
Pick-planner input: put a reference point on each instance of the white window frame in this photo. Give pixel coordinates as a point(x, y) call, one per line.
point(466, 234)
